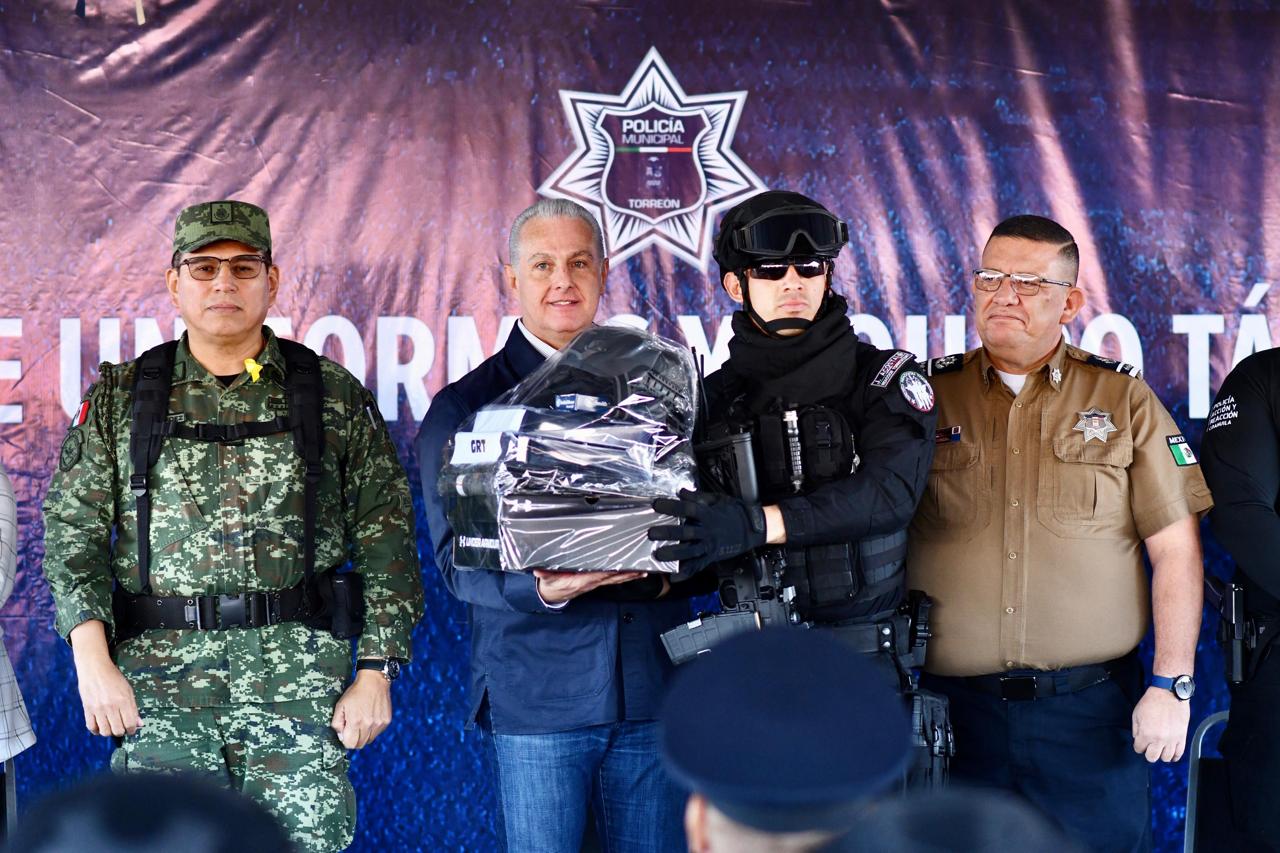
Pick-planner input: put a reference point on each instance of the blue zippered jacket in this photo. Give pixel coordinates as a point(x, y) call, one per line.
point(539, 669)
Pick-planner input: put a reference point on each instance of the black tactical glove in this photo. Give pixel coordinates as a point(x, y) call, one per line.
point(715, 528)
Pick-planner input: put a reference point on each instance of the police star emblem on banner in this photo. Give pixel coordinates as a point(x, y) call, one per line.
point(654, 163)
point(1095, 423)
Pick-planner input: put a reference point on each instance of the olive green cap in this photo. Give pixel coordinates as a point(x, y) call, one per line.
point(211, 221)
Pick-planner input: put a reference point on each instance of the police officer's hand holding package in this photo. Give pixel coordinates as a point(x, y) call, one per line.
point(220, 483)
point(716, 527)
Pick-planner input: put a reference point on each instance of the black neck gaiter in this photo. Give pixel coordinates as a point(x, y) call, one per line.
point(815, 365)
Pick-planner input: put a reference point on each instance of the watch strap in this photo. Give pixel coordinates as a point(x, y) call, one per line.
point(389, 667)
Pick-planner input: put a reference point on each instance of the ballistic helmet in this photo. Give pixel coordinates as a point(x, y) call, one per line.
point(777, 225)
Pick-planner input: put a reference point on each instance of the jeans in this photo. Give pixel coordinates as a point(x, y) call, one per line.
point(545, 782)
point(1071, 756)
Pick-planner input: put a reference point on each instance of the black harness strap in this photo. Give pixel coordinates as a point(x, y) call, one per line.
point(305, 389)
point(151, 425)
point(151, 385)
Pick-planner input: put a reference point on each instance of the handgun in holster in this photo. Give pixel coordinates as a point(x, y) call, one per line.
point(1236, 630)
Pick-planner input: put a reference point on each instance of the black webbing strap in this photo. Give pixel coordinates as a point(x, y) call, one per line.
point(151, 425)
point(305, 389)
point(227, 433)
point(151, 385)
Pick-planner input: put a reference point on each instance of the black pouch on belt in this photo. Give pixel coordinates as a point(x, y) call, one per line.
point(338, 604)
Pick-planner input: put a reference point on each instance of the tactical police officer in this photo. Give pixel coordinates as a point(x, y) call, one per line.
point(219, 483)
point(841, 437)
point(1241, 458)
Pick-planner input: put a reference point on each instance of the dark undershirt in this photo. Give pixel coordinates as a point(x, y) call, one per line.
point(227, 380)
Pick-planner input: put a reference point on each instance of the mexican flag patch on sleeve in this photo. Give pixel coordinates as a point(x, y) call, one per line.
point(1181, 451)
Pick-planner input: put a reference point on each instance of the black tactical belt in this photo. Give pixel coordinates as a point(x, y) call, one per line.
point(212, 612)
point(885, 635)
point(1019, 688)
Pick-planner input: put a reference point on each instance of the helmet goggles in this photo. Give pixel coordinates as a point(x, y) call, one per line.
point(774, 234)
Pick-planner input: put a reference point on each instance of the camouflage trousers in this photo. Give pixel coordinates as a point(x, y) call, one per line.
point(284, 755)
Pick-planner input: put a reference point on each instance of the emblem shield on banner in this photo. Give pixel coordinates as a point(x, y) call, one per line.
point(653, 170)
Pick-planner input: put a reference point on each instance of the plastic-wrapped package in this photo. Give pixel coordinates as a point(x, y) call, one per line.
point(561, 471)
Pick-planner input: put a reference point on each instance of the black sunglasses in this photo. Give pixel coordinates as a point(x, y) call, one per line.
point(776, 270)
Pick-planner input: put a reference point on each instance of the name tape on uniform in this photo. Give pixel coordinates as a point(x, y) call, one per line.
point(889, 368)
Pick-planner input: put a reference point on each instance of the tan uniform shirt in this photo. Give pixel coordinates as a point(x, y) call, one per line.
point(1029, 531)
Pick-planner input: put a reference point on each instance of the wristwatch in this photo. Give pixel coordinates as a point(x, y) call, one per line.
point(389, 667)
point(1182, 686)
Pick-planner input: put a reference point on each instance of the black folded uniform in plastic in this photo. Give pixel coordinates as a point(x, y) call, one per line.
point(561, 471)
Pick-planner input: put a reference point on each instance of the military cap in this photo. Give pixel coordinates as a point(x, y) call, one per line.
point(211, 221)
point(785, 730)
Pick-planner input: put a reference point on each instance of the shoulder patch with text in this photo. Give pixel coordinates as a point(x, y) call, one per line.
point(1223, 413)
point(889, 368)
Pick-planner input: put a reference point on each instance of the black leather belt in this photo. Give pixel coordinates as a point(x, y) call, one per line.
point(1020, 687)
point(212, 612)
point(892, 634)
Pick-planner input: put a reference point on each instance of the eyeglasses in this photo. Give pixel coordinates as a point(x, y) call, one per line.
point(777, 271)
point(1024, 283)
point(206, 267)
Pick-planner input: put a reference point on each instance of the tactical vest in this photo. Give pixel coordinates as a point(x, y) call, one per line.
point(150, 426)
point(798, 450)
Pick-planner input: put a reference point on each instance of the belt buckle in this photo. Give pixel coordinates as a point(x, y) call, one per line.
point(1017, 688)
point(231, 612)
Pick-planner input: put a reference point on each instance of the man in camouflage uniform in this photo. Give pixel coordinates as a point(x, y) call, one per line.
point(261, 708)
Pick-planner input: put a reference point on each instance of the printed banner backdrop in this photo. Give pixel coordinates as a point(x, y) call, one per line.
point(393, 143)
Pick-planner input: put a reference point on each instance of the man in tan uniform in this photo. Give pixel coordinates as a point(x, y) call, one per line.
point(1052, 468)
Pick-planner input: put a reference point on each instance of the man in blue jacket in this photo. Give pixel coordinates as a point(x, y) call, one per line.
point(566, 668)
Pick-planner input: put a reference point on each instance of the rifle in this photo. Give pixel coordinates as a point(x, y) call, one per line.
point(752, 595)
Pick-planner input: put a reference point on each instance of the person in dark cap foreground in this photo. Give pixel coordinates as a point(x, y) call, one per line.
point(963, 820)
point(140, 813)
point(782, 737)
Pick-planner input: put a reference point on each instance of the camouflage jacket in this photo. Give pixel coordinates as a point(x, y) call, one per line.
point(228, 519)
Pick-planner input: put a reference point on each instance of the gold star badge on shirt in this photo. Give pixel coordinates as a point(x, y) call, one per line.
point(1095, 424)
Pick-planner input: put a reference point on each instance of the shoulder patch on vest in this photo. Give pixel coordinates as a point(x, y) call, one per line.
point(889, 368)
point(1113, 365)
point(917, 391)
